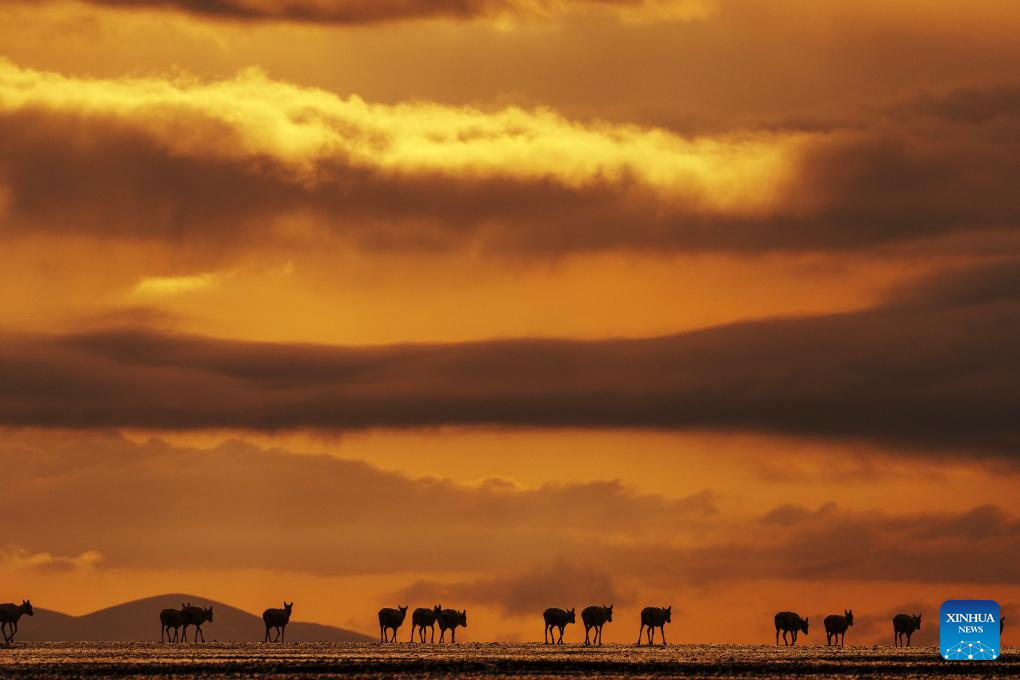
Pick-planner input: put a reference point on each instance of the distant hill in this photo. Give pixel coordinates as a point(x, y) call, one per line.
point(139, 620)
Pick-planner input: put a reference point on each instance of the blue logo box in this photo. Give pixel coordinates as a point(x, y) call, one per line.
point(969, 630)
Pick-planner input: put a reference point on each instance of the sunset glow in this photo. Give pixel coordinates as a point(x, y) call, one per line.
point(511, 304)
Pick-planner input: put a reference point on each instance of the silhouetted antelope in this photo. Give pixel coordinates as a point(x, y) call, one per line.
point(836, 625)
point(423, 618)
point(278, 619)
point(170, 619)
point(9, 615)
point(556, 618)
point(450, 619)
point(905, 624)
point(391, 618)
point(790, 622)
point(595, 617)
point(195, 616)
point(654, 617)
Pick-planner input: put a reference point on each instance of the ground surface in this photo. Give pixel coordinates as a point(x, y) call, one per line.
point(217, 660)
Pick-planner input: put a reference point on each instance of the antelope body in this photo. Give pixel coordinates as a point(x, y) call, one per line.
point(390, 618)
point(595, 617)
point(278, 619)
point(556, 618)
point(655, 617)
point(170, 619)
point(790, 622)
point(422, 618)
point(449, 619)
point(195, 616)
point(10, 614)
point(836, 625)
point(905, 624)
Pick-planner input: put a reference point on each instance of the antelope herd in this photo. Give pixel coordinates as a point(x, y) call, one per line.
point(178, 620)
point(174, 623)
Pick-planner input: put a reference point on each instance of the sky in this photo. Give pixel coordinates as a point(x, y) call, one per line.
point(511, 304)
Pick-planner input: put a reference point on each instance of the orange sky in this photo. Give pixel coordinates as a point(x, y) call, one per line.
point(512, 305)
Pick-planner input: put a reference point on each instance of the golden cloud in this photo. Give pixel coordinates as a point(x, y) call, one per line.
point(251, 116)
point(161, 286)
point(14, 558)
point(174, 156)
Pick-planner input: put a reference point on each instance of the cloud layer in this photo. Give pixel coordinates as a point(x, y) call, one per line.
point(238, 506)
point(241, 161)
point(933, 369)
point(242, 507)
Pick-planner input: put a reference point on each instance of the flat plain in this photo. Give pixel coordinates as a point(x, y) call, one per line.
point(481, 660)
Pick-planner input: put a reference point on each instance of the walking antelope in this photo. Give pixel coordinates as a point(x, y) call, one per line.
point(170, 619)
point(423, 618)
point(390, 618)
point(654, 617)
point(836, 625)
point(556, 618)
point(449, 619)
point(595, 617)
point(10, 613)
point(195, 616)
point(278, 619)
point(905, 624)
point(790, 622)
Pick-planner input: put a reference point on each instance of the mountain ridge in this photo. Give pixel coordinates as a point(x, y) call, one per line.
point(138, 620)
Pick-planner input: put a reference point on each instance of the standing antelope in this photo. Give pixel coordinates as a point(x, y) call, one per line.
point(654, 617)
point(391, 618)
point(905, 624)
point(556, 618)
point(790, 622)
point(596, 617)
point(278, 619)
point(9, 615)
point(450, 619)
point(170, 619)
point(423, 618)
point(195, 616)
point(836, 625)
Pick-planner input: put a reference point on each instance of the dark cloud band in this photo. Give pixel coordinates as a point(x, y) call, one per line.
point(936, 368)
point(358, 12)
